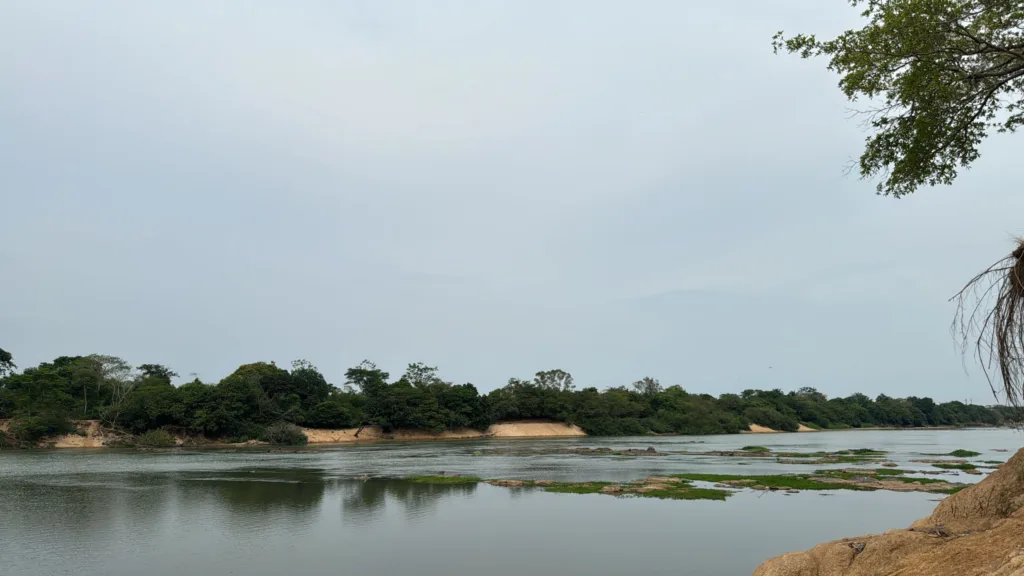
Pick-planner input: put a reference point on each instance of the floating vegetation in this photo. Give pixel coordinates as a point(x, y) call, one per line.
point(772, 482)
point(856, 456)
point(966, 466)
point(847, 479)
point(959, 454)
point(661, 487)
point(649, 451)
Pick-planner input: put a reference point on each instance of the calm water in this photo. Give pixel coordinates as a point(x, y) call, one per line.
point(252, 513)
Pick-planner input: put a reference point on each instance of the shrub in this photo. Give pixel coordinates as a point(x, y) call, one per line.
point(33, 428)
point(284, 434)
point(158, 438)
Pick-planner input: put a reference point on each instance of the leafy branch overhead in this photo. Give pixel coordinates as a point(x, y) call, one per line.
point(938, 77)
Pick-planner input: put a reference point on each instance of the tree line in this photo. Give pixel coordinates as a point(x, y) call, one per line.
point(257, 400)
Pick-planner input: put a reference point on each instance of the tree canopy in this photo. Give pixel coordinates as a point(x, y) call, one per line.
point(937, 77)
point(263, 401)
point(6, 363)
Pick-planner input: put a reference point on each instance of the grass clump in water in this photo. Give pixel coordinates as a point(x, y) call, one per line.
point(964, 453)
point(686, 493)
point(856, 456)
point(576, 487)
point(880, 474)
point(906, 480)
point(786, 481)
point(443, 479)
point(756, 449)
point(954, 466)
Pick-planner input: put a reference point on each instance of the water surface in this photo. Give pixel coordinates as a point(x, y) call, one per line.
point(253, 513)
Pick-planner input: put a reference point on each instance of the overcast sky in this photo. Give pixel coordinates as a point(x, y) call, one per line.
point(618, 189)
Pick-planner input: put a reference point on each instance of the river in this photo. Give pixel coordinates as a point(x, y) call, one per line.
point(255, 512)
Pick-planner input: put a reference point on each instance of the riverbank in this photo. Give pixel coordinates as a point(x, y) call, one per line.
point(531, 429)
point(91, 434)
point(758, 429)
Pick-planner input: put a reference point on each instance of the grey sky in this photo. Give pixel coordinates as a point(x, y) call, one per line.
point(617, 189)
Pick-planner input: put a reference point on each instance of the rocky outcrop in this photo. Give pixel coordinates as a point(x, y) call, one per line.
point(978, 531)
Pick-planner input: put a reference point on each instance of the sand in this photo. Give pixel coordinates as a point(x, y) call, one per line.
point(534, 430)
point(93, 436)
point(758, 429)
point(500, 430)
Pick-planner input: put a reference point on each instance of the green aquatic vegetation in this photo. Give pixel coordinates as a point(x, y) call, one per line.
point(443, 479)
point(858, 452)
point(787, 481)
point(848, 459)
point(575, 488)
point(955, 466)
point(958, 454)
point(879, 474)
point(857, 456)
point(917, 480)
point(755, 449)
point(685, 493)
point(651, 488)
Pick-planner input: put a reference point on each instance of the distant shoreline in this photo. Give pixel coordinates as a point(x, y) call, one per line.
point(757, 429)
point(92, 435)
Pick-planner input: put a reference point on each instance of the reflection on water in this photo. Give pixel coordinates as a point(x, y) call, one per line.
point(363, 500)
point(247, 513)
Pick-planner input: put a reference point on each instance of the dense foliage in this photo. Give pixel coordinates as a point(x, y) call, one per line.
point(937, 76)
point(265, 402)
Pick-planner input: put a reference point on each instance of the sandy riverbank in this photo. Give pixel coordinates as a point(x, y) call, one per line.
point(94, 435)
point(758, 429)
point(499, 430)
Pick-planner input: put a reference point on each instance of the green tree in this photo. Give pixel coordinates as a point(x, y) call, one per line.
point(554, 380)
point(157, 371)
point(939, 76)
point(6, 363)
point(420, 375)
point(647, 386)
point(309, 384)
